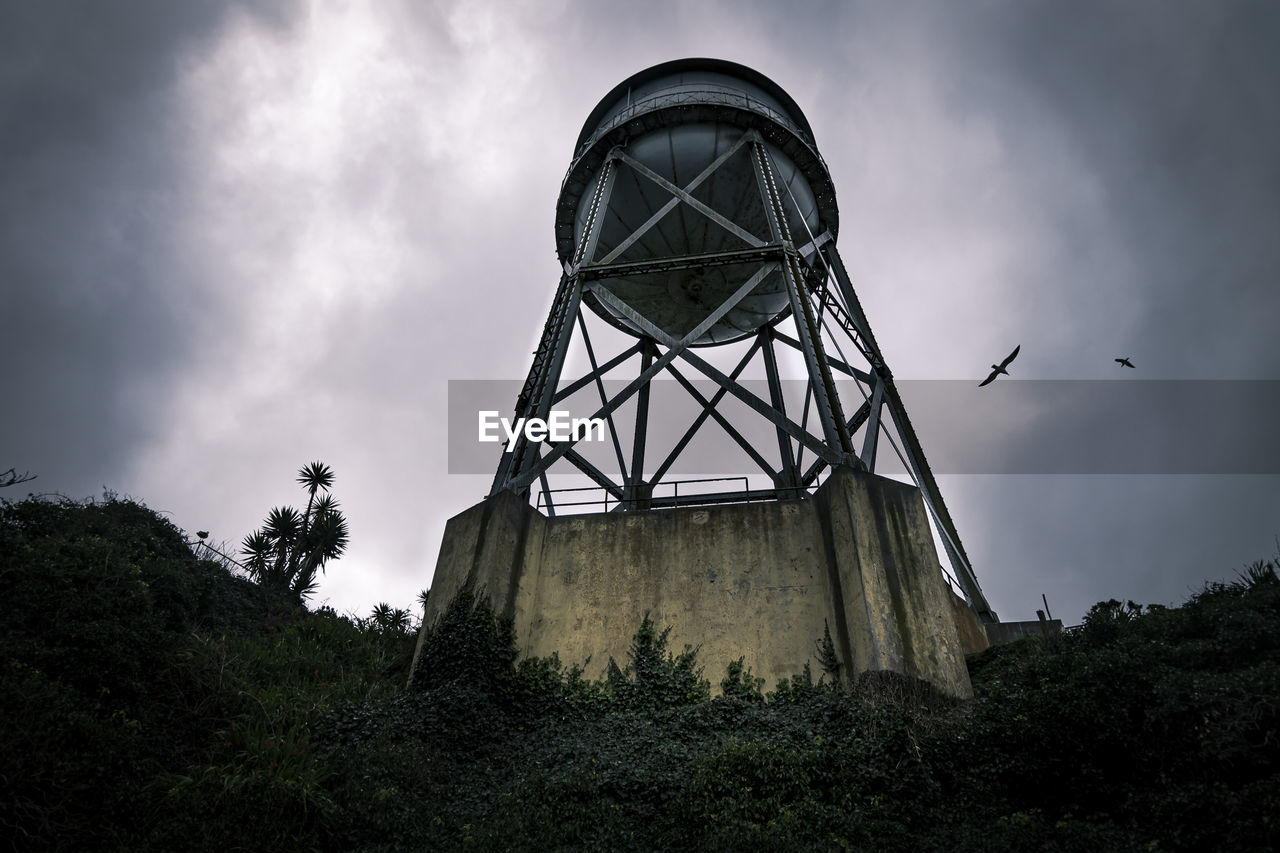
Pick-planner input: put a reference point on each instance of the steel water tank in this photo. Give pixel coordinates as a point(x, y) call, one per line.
point(676, 119)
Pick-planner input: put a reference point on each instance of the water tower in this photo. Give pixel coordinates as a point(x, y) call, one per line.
point(697, 216)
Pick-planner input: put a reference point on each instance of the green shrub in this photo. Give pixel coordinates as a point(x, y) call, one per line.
point(154, 701)
point(654, 677)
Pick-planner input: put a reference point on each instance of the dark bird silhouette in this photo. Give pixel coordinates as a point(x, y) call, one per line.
point(997, 369)
point(203, 534)
point(1125, 362)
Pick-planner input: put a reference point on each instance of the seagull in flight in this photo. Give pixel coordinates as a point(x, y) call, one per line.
point(1125, 362)
point(997, 369)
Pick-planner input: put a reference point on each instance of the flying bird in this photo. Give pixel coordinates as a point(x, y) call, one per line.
point(1125, 362)
point(997, 369)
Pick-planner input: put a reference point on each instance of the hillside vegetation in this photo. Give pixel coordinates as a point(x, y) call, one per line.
point(154, 701)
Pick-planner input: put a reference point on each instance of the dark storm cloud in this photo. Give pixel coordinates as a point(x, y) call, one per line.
point(1173, 105)
point(94, 311)
point(1165, 110)
point(1170, 109)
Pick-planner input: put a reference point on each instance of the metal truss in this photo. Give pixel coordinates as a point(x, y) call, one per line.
point(823, 314)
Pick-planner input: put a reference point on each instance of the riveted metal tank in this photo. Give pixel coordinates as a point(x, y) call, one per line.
point(676, 119)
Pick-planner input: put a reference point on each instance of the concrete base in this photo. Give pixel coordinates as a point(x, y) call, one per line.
point(972, 632)
point(1000, 633)
point(758, 581)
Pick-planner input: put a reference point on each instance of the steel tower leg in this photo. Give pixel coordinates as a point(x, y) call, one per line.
point(540, 385)
point(807, 330)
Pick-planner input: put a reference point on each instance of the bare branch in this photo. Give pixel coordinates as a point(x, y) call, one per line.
point(13, 478)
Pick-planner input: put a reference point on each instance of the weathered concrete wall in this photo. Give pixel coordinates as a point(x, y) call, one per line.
point(757, 581)
point(1000, 633)
point(895, 611)
point(972, 633)
point(736, 581)
point(483, 546)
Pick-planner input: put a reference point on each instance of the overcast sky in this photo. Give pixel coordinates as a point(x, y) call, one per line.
point(237, 237)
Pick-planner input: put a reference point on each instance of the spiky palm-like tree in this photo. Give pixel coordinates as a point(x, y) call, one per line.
point(385, 618)
point(292, 548)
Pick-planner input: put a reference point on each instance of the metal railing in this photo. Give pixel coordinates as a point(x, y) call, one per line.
point(646, 498)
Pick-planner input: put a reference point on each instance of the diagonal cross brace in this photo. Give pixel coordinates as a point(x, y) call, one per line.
point(838, 364)
point(670, 205)
point(578, 384)
point(709, 408)
point(718, 218)
point(604, 398)
point(519, 483)
point(783, 423)
point(702, 416)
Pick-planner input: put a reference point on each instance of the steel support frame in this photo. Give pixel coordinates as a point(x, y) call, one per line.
point(820, 296)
